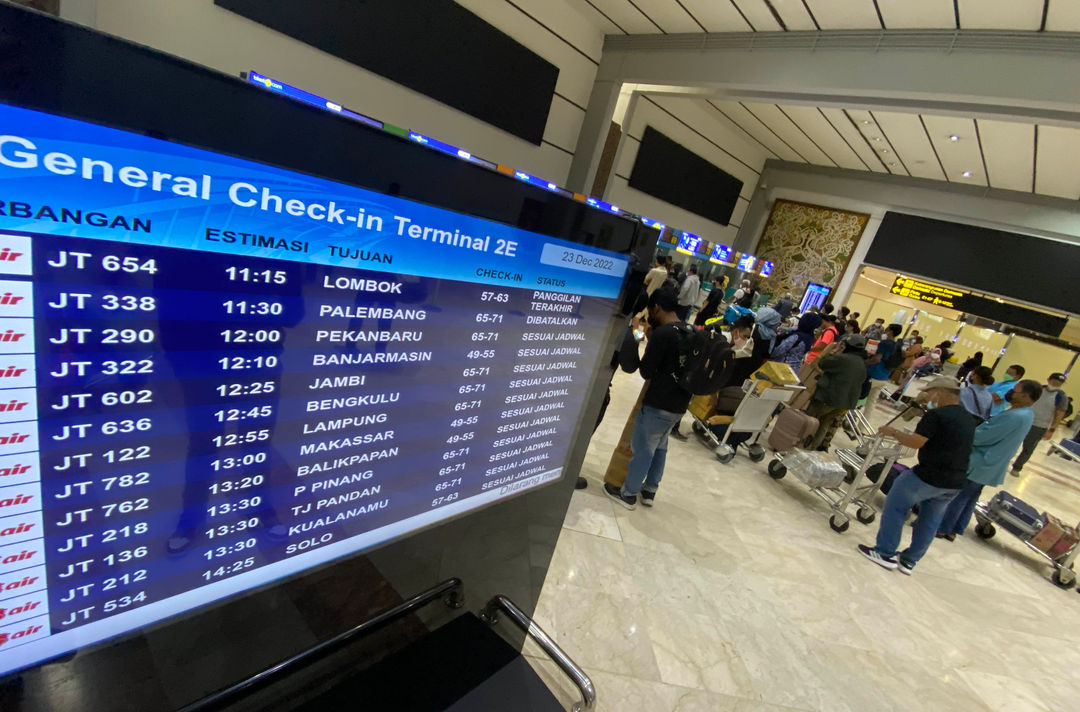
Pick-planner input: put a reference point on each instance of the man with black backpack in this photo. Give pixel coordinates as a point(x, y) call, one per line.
point(666, 399)
point(888, 357)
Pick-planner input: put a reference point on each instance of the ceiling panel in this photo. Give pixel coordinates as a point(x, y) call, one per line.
point(1056, 172)
point(911, 14)
point(906, 135)
point(1063, 16)
point(717, 15)
point(757, 12)
point(626, 15)
point(843, 125)
point(794, 14)
point(597, 18)
point(710, 123)
point(1001, 14)
point(845, 14)
point(738, 114)
point(960, 156)
point(1009, 149)
point(776, 120)
point(876, 140)
point(821, 132)
point(668, 15)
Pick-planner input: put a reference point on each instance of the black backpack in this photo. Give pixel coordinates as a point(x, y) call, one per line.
point(706, 360)
point(748, 299)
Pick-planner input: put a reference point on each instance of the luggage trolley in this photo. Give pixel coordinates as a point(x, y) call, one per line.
point(855, 489)
point(987, 516)
point(753, 415)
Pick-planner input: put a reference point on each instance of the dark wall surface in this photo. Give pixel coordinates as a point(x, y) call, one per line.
point(435, 47)
point(70, 71)
point(666, 170)
point(1008, 264)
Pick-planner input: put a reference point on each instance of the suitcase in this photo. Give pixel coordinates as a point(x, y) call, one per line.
point(1055, 539)
point(1072, 446)
point(1015, 515)
point(791, 429)
point(701, 407)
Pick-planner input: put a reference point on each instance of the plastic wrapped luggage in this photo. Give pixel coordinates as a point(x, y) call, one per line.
point(815, 469)
point(1015, 515)
point(791, 430)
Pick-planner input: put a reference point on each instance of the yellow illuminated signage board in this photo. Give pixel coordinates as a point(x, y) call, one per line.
point(929, 292)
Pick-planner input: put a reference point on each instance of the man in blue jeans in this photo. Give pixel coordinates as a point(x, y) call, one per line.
point(944, 438)
point(664, 404)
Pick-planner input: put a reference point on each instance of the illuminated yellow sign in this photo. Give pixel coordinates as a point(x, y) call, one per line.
point(930, 293)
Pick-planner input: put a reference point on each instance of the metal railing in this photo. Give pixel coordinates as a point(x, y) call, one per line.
point(490, 615)
point(450, 591)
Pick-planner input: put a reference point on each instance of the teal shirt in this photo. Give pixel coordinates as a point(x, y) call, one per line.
point(1000, 388)
point(996, 441)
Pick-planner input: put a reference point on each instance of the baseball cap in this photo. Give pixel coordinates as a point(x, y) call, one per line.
point(857, 341)
point(1057, 377)
point(943, 382)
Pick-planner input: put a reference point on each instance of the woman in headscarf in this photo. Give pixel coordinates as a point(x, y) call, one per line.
point(792, 350)
point(768, 321)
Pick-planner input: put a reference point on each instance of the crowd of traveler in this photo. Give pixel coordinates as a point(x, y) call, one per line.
point(971, 427)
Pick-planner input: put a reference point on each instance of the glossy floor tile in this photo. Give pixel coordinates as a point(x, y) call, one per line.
point(733, 593)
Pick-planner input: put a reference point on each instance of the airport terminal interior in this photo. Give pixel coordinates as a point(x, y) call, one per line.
point(665, 355)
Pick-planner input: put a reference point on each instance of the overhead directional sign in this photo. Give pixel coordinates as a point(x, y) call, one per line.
point(929, 292)
point(988, 307)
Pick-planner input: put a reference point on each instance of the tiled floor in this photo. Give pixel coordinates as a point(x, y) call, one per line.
point(733, 593)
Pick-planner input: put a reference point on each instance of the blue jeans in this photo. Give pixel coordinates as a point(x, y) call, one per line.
point(907, 491)
point(649, 443)
point(958, 513)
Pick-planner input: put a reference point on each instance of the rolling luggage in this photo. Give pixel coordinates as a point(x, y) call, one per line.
point(791, 430)
point(1014, 514)
point(873, 473)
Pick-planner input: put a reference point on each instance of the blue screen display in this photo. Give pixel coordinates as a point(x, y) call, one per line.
point(217, 373)
point(689, 243)
point(721, 254)
point(746, 262)
point(766, 268)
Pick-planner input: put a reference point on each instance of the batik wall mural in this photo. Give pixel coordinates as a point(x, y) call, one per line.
point(808, 243)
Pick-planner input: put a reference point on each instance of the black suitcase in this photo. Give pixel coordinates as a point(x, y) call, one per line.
point(1015, 515)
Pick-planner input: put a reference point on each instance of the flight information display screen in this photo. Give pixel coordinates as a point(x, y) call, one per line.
point(217, 373)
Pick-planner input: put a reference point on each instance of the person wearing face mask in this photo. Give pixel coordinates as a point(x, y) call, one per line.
point(664, 404)
point(975, 397)
point(750, 349)
point(996, 441)
point(944, 439)
point(1001, 388)
point(1048, 411)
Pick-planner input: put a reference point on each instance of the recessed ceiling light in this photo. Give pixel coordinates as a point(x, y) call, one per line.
point(877, 138)
point(954, 137)
point(892, 163)
point(966, 174)
point(865, 122)
point(884, 150)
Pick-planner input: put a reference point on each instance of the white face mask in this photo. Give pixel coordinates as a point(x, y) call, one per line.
point(743, 347)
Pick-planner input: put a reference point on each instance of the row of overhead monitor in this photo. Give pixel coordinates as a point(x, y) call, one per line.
point(689, 244)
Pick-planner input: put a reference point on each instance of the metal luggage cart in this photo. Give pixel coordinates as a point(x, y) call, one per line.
point(753, 416)
point(859, 490)
point(1063, 574)
point(1062, 451)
